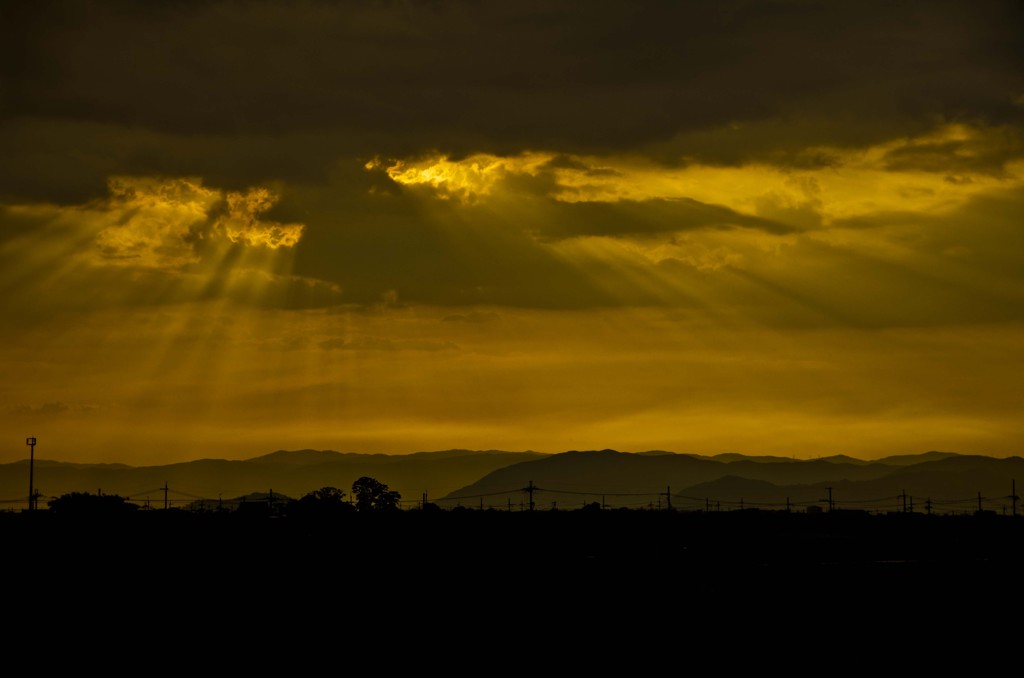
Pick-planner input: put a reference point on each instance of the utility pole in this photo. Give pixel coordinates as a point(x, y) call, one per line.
point(1013, 495)
point(830, 504)
point(979, 502)
point(31, 442)
point(668, 496)
point(530, 488)
point(903, 494)
point(165, 495)
point(928, 505)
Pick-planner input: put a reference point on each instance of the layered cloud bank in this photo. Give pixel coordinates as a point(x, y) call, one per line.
point(769, 226)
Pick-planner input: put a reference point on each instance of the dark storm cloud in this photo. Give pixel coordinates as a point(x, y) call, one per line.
point(169, 84)
point(987, 153)
point(637, 217)
point(70, 161)
point(960, 267)
point(430, 251)
point(301, 94)
point(982, 236)
point(446, 252)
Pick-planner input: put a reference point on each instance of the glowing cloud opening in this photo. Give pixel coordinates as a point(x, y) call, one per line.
point(153, 220)
point(157, 223)
point(899, 175)
point(243, 225)
point(468, 179)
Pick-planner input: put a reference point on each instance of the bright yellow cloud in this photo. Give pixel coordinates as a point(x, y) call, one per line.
point(156, 222)
point(899, 175)
point(466, 179)
point(243, 224)
point(148, 221)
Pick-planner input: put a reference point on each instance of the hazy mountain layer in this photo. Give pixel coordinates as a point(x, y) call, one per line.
point(290, 473)
point(950, 482)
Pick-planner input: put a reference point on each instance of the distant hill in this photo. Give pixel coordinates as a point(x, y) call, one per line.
point(623, 479)
point(290, 473)
point(495, 478)
point(596, 472)
point(911, 459)
point(734, 456)
point(843, 459)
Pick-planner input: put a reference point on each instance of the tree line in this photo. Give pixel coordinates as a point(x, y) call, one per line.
point(368, 495)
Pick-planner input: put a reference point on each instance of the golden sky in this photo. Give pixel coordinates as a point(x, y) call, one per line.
point(788, 227)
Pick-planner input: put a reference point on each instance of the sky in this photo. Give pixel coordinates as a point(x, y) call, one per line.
point(770, 227)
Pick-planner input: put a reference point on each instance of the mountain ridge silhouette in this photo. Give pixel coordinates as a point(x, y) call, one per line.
point(457, 475)
point(586, 476)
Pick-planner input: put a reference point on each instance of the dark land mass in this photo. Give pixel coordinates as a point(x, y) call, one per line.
point(582, 587)
point(292, 473)
point(941, 482)
point(759, 557)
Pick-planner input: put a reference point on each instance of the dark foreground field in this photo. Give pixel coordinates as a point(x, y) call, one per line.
point(725, 553)
point(642, 584)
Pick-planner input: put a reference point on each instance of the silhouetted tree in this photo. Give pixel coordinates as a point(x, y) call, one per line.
point(324, 501)
point(325, 495)
point(373, 495)
point(83, 503)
